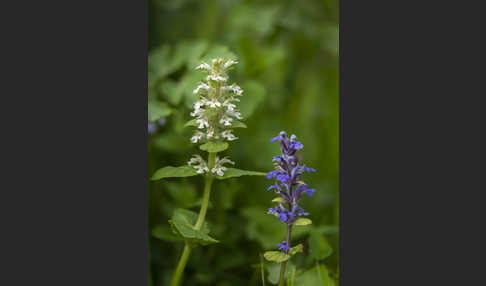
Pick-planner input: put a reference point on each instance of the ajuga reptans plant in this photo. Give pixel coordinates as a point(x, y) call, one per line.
point(291, 188)
point(215, 116)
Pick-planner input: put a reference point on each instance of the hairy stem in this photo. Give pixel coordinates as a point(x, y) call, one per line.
point(207, 192)
point(282, 266)
point(181, 265)
point(208, 181)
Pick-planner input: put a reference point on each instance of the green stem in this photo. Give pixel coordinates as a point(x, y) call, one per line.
point(282, 273)
point(207, 191)
point(282, 267)
point(208, 181)
point(181, 265)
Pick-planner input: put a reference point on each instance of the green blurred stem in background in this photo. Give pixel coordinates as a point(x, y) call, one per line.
point(282, 267)
point(208, 181)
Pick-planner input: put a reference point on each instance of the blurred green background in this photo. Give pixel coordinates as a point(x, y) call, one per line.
point(288, 67)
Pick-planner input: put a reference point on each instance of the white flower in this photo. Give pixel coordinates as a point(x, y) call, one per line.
point(229, 106)
point(204, 66)
point(225, 120)
point(235, 114)
point(213, 103)
point(202, 122)
point(198, 163)
point(228, 135)
point(223, 161)
point(197, 112)
point(202, 86)
point(229, 63)
point(234, 88)
point(216, 78)
point(210, 132)
point(218, 165)
point(197, 136)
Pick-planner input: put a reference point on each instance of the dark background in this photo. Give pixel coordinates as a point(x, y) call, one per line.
point(74, 143)
point(289, 71)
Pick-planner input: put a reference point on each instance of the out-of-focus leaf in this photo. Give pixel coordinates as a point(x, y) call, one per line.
point(170, 172)
point(254, 19)
point(172, 142)
point(214, 147)
point(327, 229)
point(302, 221)
point(274, 271)
point(164, 232)
point(318, 276)
point(232, 172)
point(218, 51)
point(157, 110)
point(319, 248)
point(183, 193)
point(253, 95)
point(169, 89)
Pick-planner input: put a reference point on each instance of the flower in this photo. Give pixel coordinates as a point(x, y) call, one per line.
point(284, 247)
point(218, 165)
point(215, 110)
point(288, 183)
point(197, 136)
point(198, 163)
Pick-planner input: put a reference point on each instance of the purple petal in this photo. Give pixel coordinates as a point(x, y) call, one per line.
point(310, 192)
point(275, 139)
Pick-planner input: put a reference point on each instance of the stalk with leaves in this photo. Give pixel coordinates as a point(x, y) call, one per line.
point(215, 116)
point(290, 187)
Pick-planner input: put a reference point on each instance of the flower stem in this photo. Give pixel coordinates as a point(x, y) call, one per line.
point(182, 264)
point(282, 266)
point(207, 191)
point(208, 181)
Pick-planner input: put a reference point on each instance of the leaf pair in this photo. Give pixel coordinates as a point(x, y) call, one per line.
point(188, 171)
point(278, 256)
point(182, 224)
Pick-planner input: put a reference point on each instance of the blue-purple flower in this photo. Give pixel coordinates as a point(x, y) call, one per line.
point(284, 247)
point(288, 183)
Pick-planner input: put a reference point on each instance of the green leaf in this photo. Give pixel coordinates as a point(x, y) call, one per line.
point(238, 124)
point(327, 229)
point(157, 110)
point(318, 275)
point(302, 221)
point(319, 248)
point(253, 96)
point(170, 172)
point(164, 232)
point(274, 271)
point(296, 249)
point(277, 256)
point(232, 172)
point(214, 147)
point(191, 122)
point(189, 233)
point(280, 200)
point(182, 224)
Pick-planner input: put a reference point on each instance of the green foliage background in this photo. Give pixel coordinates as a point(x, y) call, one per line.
point(288, 54)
